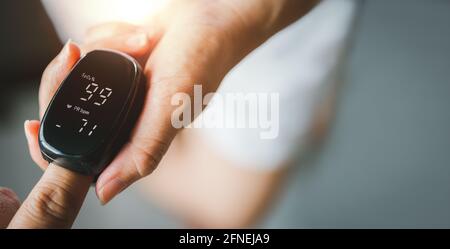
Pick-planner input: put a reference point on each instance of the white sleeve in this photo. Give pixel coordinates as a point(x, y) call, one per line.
point(300, 64)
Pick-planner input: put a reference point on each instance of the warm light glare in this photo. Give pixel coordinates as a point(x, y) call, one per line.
point(72, 18)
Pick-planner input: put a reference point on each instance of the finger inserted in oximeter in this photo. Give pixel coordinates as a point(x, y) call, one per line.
point(91, 115)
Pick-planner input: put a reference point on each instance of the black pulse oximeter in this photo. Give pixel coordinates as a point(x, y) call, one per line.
point(93, 112)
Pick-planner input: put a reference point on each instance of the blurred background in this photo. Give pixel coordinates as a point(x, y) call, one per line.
point(385, 162)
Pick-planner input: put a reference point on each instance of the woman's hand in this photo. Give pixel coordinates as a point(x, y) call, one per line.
point(189, 42)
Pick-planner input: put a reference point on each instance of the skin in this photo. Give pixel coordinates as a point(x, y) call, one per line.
point(56, 199)
point(190, 42)
point(9, 204)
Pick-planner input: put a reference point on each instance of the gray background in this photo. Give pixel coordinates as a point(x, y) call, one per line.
point(385, 163)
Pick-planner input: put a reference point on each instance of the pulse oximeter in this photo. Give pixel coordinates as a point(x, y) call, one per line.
point(93, 112)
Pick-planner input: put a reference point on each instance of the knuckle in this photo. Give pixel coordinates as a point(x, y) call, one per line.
point(146, 158)
point(50, 203)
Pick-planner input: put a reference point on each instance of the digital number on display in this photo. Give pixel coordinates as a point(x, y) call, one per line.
point(98, 98)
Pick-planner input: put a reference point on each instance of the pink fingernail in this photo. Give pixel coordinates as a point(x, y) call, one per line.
point(65, 49)
point(110, 190)
point(25, 129)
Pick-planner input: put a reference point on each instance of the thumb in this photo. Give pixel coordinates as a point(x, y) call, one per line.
point(55, 73)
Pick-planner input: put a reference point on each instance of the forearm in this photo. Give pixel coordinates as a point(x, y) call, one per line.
point(267, 17)
point(258, 20)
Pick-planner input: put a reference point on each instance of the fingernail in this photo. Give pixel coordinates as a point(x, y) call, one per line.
point(110, 190)
point(65, 49)
point(25, 129)
point(138, 40)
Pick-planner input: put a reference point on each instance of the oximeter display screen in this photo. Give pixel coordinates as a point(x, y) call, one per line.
point(88, 103)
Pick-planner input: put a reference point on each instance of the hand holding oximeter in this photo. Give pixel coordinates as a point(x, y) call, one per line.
point(92, 113)
point(105, 88)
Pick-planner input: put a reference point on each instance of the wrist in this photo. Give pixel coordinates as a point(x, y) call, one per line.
point(261, 19)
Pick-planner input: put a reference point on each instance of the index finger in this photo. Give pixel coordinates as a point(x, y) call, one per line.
point(55, 200)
